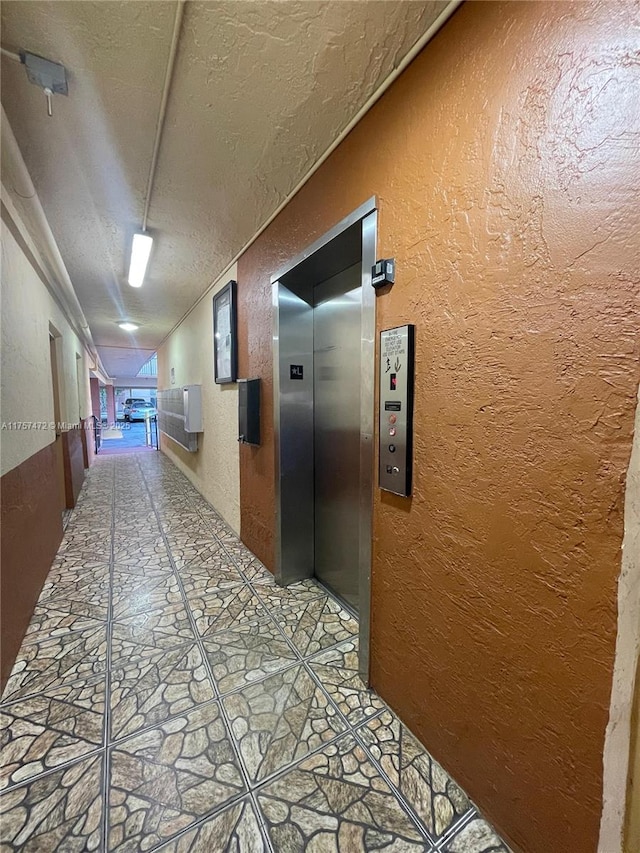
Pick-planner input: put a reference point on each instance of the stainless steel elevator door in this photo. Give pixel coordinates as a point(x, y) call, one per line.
point(336, 382)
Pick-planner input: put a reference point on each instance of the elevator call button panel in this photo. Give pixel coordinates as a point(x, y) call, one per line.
point(396, 408)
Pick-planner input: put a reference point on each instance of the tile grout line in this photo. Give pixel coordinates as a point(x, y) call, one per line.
point(457, 827)
point(28, 697)
point(250, 787)
point(394, 789)
point(288, 607)
point(319, 682)
point(228, 804)
point(287, 768)
point(458, 823)
point(32, 641)
point(71, 762)
point(353, 730)
point(272, 612)
point(305, 661)
point(106, 727)
point(103, 750)
point(198, 640)
point(294, 662)
point(269, 616)
point(264, 829)
point(217, 696)
point(122, 741)
point(106, 779)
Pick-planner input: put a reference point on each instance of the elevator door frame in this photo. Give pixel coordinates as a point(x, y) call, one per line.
point(294, 559)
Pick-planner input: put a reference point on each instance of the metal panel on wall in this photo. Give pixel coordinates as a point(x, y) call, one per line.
point(293, 352)
point(336, 346)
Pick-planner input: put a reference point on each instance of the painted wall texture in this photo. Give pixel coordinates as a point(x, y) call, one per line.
point(505, 162)
point(27, 395)
point(214, 468)
point(31, 507)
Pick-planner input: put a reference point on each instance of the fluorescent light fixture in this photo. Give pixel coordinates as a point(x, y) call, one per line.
point(128, 327)
point(140, 251)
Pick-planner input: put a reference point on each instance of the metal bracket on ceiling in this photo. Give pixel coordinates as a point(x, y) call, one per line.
point(49, 75)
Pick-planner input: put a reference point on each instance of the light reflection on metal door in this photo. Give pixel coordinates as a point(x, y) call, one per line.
point(336, 404)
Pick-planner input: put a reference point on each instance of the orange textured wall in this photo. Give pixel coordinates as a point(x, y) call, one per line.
point(505, 161)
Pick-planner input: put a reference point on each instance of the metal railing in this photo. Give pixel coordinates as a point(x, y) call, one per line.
point(151, 438)
point(149, 368)
point(97, 432)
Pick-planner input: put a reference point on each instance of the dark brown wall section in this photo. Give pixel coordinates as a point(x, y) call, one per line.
point(503, 163)
point(95, 396)
point(73, 458)
point(31, 525)
point(85, 435)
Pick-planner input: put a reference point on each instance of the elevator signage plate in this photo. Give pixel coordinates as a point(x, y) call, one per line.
point(296, 371)
point(396, 408)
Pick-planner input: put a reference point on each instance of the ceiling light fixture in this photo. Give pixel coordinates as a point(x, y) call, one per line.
point(140, 251)
point(142, 242)
point(128, 327)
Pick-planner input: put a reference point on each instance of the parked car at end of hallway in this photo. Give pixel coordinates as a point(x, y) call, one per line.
point(137, 409)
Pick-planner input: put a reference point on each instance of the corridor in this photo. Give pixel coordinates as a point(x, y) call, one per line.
point(170, 696)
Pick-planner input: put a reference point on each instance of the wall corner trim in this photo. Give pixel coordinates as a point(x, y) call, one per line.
point(618, 738)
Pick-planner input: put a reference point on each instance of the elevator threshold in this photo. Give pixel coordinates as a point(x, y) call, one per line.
point(351, 610)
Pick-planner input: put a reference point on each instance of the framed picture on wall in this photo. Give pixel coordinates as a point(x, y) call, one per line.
point(225, 335)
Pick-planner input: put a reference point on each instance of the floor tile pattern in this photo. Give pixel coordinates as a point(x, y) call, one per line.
point(58, 811)
point(50, 662)
point(316, 624)
point(280, 720)
point(235, 829)
point(433, 795)
point(51, 729)
point(336, 800)
point(337, 670)
point(476, 836)
point(247, 653)
point(164, 779)
point(170, 696)
point(147, 689)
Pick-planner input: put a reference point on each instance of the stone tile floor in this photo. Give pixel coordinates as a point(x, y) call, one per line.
point(170, 696)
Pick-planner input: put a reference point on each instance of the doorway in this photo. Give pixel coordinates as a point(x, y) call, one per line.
point(324, 349)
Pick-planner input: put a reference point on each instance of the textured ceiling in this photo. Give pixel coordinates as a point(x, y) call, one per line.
point(261, 89)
